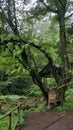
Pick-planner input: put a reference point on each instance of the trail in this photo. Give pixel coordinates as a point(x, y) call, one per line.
point(50, 120)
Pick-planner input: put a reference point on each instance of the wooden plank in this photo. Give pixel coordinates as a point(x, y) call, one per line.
point(9, 116)
point(9, 112)
point(9, 121)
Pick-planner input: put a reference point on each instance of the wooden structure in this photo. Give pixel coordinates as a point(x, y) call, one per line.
point(9, 114)
point(53, 97)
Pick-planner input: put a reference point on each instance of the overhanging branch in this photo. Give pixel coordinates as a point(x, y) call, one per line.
point(17, 57)
point(18, 40)
point(43, 51)
point(69, 16)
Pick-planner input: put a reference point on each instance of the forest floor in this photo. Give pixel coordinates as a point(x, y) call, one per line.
point(48, 120)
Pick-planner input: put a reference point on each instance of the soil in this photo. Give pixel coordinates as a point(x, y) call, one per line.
point(49, 120)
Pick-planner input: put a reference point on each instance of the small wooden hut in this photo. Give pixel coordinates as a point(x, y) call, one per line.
point(53, 97)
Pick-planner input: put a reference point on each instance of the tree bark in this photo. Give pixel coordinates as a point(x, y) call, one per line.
point(37, 79)
point(63, 52)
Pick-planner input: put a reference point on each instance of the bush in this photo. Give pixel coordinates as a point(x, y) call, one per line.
point(19, 85)
point(69, 95)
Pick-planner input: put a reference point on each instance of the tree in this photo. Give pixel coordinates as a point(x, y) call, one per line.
point(60, 8)
point(19, 45)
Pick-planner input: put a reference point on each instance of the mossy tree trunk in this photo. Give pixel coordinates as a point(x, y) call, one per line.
point(63, 48)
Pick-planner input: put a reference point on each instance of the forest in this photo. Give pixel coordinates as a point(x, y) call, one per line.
point(36, 49)
point(30, 32)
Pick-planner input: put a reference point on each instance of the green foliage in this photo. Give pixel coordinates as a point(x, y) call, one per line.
point(69, 95)
point(19, 85)
point(40, 108)
point(14, 84)
point(12, 98)
point(3, 124)
point(68, 103)
point(49, 35)
point(66, 106)
point(16, 35)
point(21, 121)
point(33, 91)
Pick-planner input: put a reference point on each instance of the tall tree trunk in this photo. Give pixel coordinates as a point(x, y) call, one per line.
point(63, 52)
point(63, 47)
point(43, 88)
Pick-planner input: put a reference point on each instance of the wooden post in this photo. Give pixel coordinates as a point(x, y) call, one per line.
point(9, 116)
point(18, 113)
point(9, 121)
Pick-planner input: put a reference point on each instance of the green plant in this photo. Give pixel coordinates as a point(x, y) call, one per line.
point(69, 95)
point(65, 106)
point(21, 121)
point(33, 90)
point(41, 107)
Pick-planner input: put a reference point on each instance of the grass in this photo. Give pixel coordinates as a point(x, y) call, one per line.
point(40, 108)
point(21, 121)
point(65, 106)
point(11, 97)
point(3, 124)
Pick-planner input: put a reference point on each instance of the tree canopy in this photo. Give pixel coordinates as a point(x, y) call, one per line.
point(38, 37)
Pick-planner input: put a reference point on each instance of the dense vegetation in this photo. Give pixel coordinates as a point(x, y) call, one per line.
point(36, 46)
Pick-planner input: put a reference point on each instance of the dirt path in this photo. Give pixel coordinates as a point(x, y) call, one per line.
point(49, 121)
